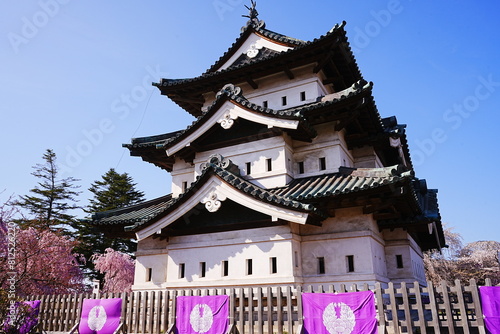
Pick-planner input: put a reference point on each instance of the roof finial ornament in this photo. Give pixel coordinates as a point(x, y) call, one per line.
point(252, 15)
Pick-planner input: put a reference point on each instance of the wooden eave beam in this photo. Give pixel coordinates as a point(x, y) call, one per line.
point(322, 62)
point(251, 82)
point(387, 216)
point(190, 100)
point(372, 208)
point(345, 122)
point(289, 73)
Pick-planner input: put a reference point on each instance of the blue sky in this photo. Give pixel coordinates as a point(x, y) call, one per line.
point(75, 77)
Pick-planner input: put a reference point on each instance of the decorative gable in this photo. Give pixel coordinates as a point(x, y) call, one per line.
point(254, 48)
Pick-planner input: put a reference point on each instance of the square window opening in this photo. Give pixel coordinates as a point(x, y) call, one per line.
point(302, 96)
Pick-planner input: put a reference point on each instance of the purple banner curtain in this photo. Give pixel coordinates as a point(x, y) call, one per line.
point(342, 313)
point(206, 314)
point(100, 316)
point(490, 303)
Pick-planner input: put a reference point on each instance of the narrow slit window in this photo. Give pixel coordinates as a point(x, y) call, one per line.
point(350, 263)
point(184, 186)
point(321, 265)
point(182, 270)
point(269, 164)
point(225, 268)
point(322, 163)
point(283, 100)
point(149, 274)
point(265, 104)
point(248, 168)
point(301, 167)
point(399, 261)
point(302, 96)
point(249, 267)
point(203, 269)
point(296, 259)
point(274, 265)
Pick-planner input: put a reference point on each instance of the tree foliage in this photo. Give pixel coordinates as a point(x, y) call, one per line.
point(478, 260)
point(113, 191)
point(37, 261)
point(118, 269)
point(50, 200)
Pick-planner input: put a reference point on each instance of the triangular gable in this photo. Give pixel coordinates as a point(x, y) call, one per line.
point(251, 47)
point(213, 192)
point(224, 113)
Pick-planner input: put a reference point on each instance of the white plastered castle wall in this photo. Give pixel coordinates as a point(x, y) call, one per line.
point(273, 87)
point(296, 249)
point(400, 243)
point(349, 233)
point(236, 247)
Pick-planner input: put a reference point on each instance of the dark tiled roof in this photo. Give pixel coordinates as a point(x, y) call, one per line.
point(297, 113)
point(246, 31)
point(427, 199)
point(140, 212)
point(151, 141)
point(263, 54)
point(143, 213)
point(299, 46)
point(347, 180)
point(174, 137)
point(355, 89)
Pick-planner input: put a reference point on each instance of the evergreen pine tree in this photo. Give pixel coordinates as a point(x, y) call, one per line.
point(113, 191)
point(51, 199)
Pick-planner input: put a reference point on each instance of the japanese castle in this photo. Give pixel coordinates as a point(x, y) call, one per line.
point(287, 176)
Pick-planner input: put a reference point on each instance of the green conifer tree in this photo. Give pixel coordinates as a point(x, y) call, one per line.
point(113, 191)
point(50, 201)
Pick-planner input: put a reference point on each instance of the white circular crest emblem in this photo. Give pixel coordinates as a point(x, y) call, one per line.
point(339, 325)
point(97, 318)
point(201, 318)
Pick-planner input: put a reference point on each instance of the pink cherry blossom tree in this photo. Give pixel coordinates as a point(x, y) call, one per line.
point(118, 269)
point(35, 262)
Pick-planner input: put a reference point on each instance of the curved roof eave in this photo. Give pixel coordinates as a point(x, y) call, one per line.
point(164, 82)
point(297, 113)
point(285, 119)
point(260, 31)
point(250, 195)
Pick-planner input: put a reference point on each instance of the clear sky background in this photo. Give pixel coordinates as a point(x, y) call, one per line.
point(75, 76)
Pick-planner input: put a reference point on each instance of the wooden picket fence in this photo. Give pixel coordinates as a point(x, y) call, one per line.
point(402, 308)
